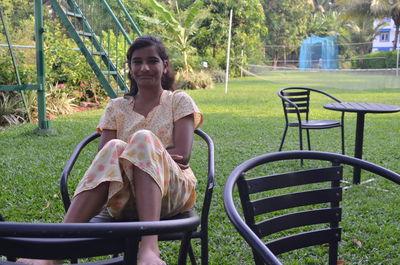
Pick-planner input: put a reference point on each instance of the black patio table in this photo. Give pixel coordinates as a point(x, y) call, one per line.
point(361, 108)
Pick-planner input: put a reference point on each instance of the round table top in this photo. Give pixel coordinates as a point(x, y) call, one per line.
point(363, 107)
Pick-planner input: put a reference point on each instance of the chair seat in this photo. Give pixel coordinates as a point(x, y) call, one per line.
point(112, 261)
point(104, 217)
point(316, 124)
point(73, 247)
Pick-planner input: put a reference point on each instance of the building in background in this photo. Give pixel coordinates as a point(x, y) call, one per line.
point(384, 40)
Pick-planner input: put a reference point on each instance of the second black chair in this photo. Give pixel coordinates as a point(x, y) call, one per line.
point(285, 208)
point(296, 101)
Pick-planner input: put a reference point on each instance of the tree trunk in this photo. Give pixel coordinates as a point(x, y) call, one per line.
point(185, 59)
point(396, 19)
point(275, 60)
point(396, 37)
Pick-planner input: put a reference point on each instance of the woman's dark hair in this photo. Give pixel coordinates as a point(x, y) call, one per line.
point(167, 79)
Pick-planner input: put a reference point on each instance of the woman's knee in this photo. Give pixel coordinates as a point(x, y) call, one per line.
point(142, 136)
point(114, 143)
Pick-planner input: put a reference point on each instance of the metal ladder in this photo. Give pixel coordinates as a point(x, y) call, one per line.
point(91, 44)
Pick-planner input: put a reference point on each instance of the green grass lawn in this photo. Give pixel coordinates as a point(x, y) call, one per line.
point(245, 122)
point(335, 79)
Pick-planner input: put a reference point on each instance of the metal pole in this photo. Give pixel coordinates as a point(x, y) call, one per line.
point(135, 27)
point(241, 68)
point(116, 21)
point(397, 62)
point(228, 53)
point(14, 63)
point(43, 123)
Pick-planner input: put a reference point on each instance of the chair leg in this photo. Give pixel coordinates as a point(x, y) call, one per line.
point(283, 138)
point(131, 250)
point(308, 139)
point(183, 250)
point(191, 255)
point(301, 138)
point(343, 140)
point(333, 253)
point(342, 129)
point(301, 143)
point(204, 248)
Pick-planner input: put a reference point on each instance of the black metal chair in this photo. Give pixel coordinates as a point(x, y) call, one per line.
point(201, 232)
point(296, 101)
point(60, 241)
point(271, 206)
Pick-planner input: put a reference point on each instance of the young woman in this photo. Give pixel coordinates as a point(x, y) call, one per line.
point(142, 167)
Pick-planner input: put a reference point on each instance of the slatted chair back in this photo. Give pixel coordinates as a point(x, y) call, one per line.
point(266, 204)
point(297, 101)
point(291, 210)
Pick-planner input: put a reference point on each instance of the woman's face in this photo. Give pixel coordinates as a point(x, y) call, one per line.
point(147, 67)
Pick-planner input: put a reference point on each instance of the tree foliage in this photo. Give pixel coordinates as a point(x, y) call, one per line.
point(363, 9)
point(181, 25)
point(197, 30)
point(287, 24)
point(248, 32)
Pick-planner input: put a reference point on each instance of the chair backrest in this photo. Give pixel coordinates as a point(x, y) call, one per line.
point(271, 204)
point(297, 100)
point(210, 173)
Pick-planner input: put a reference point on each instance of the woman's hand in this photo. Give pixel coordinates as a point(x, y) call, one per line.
point(106, 136)
point(178, 158)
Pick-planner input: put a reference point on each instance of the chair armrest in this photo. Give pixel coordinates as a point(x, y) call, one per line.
point(210, 177)
point(70, 164)
point(101, 230)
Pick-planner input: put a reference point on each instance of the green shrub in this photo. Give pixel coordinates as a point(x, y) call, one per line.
point(58, 102)
point(27, 73)
point(67, 68)
point(218, 76)
point(11, 109)
point(193, 80)
point(375, 60)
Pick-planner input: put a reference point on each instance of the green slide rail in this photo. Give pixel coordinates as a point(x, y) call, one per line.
point(101, 37)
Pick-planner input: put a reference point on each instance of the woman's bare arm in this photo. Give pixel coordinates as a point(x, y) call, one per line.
point(183, 140)
point(106, 136)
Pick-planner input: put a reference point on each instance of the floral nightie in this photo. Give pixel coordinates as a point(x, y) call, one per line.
point(142, 141)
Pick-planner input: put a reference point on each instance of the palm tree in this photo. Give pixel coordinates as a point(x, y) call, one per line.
point(362, 31)
point(375, 8)
point(324, 24)
point(181, 24)
point(323, 5)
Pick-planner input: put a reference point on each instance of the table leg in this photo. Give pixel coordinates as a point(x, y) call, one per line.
point(359, 145)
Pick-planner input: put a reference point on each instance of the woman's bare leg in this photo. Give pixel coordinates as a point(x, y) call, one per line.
point(83, 207)
point(148, 204)
point(87, 204)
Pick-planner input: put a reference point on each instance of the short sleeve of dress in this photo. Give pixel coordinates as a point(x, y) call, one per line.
point(107, 120)
point(184, 105)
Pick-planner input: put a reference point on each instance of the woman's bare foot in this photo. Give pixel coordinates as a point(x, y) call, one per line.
point(149, 253)
point(39, 261)
point(149, 257)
